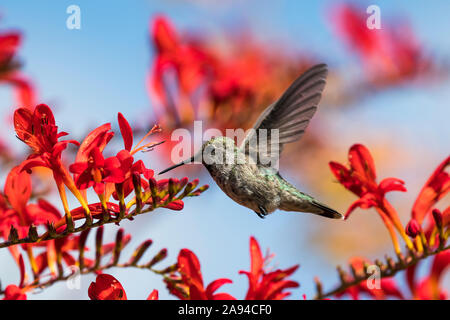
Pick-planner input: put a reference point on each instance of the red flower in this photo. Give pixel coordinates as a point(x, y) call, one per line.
point(429, 287)
point(360, 179)
point(39, 132)
point(436, 187)
point(97, 171)
point(189, 285)
point(18, 213)
point(91, 169)
point(390, 54)
point(9, 73)
point(106, 287)
point(13, 292)
point(189, 61)
point(266, 285)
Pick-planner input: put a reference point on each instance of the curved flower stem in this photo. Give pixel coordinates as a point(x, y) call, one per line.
point(70, 184)
point(33, 264)
point(104, 206)
point(392, 213)
point(386, 271)
point(419, 243)
point(114, 217)
point(62, 194)
point(391, 230)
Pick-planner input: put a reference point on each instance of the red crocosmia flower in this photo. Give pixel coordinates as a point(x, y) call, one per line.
point(18, 213)
point(266, 285)
point(187, 60)
point(429, 287)
point(128, 168)
point(106, 287)
point(38, 130)
point(91, 169)
point(390, 54)
point(97, 171)
point(9, 73)
point(387, 286)
point(189, 285)
point(360, 179)
point(13, 292)
point(436, 187)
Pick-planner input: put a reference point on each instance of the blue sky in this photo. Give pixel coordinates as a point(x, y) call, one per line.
point(89, 75)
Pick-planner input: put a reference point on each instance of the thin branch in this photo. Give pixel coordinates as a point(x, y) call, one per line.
point(387, 270)
point(95, 265)
point(143, 202)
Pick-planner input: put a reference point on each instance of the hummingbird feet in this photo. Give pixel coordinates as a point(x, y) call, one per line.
point(262, 212)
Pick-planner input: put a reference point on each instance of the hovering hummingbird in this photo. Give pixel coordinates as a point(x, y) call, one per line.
point(251, 180)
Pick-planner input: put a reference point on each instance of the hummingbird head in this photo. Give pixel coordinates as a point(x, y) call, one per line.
point(216, 151)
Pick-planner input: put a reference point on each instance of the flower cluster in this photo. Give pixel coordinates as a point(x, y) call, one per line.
point(391, 54)
point(420, 240)
point(124, 186)
point(229, 84)
point(186, 281)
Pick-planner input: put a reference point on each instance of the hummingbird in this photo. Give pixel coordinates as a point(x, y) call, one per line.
point(250, 179)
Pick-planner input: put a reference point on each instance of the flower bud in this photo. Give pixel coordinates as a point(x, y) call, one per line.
point(437, 216)
point(413, 228)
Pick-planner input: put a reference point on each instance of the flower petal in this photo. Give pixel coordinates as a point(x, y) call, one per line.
point(125, 130)
point(434, 189)
point(106, 287)
point(362, 162)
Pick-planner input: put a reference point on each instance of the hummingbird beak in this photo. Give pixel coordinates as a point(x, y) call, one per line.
point(178, 165)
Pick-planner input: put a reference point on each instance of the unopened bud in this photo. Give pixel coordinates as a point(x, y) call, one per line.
point(413, 228)
point(437, 215)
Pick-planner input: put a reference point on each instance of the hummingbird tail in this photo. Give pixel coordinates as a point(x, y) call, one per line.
point(325, 211)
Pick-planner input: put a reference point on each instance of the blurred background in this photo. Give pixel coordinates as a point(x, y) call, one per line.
point(170, 62)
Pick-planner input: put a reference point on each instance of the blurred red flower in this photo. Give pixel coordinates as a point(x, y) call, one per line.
point(15, 211)
point(9, 69)
point(390, 54)
point(266, 285)
point(189, 284)
point(13, 292)
point(429, 288)
point(106, 287)
point(436, 187)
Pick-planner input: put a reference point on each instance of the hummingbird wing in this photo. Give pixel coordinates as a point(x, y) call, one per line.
point(290, 114)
